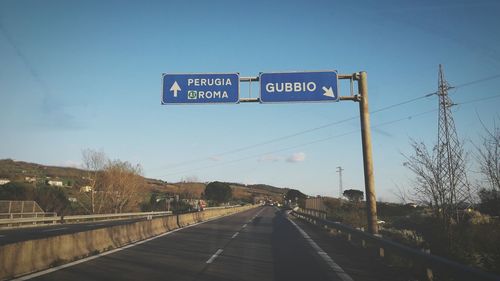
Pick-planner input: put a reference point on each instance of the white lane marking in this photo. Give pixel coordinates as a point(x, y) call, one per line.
point(245, 225)
point(2, 236)
point(50, 270)
point(258, 213)
point(234, 235)
point(55, 229)
point(214, 256)
point(336, 268)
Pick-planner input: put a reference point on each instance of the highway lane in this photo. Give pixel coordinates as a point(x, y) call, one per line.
point(180, 255)
point(361, 264)
point(269, 248)
point(258, 244)
point(13, 235)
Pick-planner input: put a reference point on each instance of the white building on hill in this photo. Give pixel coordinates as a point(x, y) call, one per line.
point(86, 188)
point(55, 183)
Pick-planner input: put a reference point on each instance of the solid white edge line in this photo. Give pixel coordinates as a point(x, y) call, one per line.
point(214, 256)
point(336, 268)
point(50, 270)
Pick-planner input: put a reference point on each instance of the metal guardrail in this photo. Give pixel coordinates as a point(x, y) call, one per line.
point(54, 219)
point(79, 218)
point(432, 263)
point(221, 207)
point(27, 215)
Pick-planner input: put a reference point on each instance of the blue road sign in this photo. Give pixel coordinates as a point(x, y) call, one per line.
point(200, 88)
point(299, 86)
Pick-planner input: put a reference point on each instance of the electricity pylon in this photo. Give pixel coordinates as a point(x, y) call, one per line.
point(452, 179)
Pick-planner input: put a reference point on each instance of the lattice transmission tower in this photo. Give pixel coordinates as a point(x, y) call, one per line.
point(452, 176)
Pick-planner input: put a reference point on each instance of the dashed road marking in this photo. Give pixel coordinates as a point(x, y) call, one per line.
point(336, 268)
point(234, 235)
point(256, 215)
point(245, 225)
point(214, 256)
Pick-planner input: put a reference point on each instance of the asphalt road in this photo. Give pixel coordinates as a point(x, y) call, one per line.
point(259, 244)
point(13, 235)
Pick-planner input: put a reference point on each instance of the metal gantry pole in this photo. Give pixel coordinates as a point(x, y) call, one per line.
point(371, 202)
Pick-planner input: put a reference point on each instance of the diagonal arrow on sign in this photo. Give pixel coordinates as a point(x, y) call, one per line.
point(175, 88)
point(328, 92)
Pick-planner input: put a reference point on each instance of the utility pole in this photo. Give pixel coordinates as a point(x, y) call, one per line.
point(92, 192)
point(339, 170)
point(366, 140)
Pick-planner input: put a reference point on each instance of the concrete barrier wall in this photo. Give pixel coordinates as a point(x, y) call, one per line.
point(29, 256)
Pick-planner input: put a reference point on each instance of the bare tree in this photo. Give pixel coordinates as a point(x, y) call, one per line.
point(402, 194)
point(121, 185)
point(93, 162)
point(430, 187)
point(115, 184)
point(488, 157)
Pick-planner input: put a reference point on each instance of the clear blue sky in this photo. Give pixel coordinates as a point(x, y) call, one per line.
point(87, 74)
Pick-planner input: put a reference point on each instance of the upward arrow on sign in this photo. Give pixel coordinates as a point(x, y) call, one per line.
point(175, 88)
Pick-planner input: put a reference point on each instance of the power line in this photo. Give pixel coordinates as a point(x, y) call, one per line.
point(267, 142)
point(496, 76)
point(328, 138)
point(302, 144)
point(402, 103)
point(435, 93)
point(478, 100)
point(180, 164)
point(294, 134)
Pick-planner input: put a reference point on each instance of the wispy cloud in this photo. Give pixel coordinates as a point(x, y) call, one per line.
point(215, 158)
point(296, 157)
point(269, 158)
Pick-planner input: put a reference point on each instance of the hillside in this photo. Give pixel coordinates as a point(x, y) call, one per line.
point(74, 179)
point(19, 170)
